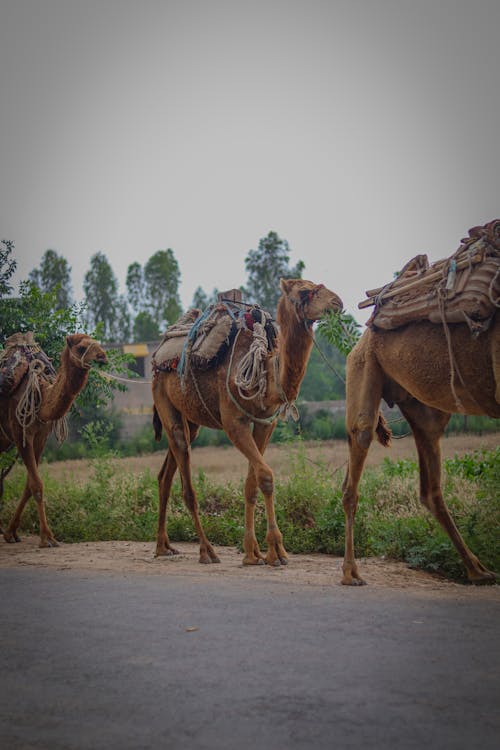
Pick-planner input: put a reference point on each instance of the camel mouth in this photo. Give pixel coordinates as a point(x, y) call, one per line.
point(101, 360)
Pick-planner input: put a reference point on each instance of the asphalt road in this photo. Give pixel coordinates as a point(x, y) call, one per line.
point(91, 661)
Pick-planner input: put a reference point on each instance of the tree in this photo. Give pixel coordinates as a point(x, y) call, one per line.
point(7, 267)
point(145, 328)
point(202, 300)
point(135, 287)
point(265, 267)
point(161, 284)
point(104, 305)
point(54, 274)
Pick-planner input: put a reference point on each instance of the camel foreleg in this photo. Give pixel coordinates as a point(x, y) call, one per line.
point(165, 478)
point(259, 475)
point(34, 487)
point(364, 384)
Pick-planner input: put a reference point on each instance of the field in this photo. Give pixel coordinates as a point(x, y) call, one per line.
point(226, 464)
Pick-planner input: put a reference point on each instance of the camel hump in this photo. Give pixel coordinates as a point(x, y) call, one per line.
point(20, 351)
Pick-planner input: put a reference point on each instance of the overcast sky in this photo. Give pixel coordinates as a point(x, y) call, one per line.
point(362, 131)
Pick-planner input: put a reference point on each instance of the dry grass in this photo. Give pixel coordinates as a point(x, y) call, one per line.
point(226, 464)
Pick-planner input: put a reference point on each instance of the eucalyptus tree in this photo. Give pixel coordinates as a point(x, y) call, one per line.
point(265, 267)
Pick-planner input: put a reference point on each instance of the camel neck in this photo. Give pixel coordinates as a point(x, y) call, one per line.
point(294, 349)
point(59, 396)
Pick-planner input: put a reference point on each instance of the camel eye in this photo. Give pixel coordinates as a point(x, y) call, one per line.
point(80, 349)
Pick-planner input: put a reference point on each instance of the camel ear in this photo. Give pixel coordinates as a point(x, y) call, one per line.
point(73, 338)
point(286, 285)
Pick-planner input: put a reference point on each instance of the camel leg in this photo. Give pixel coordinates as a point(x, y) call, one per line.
point(179, 436)
point(34, 486)
point(363, 396)
point(428, 426)
point(253, 555)
point(241, 436)
point(165, 478)
point(10, 534)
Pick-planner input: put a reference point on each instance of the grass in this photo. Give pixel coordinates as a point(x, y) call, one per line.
point(390, 519)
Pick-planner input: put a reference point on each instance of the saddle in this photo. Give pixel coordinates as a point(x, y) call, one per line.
point(462, 288)
point(20, 351)
point(201, 340)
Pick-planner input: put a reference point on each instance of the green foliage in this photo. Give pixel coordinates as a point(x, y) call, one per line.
point(341, 330)
point(161, 282)
point(145, 328)
point(54, 274)
point(324, 380)
point(265, 267)
point(104, 306)
point(36, 311)
point(7, 267)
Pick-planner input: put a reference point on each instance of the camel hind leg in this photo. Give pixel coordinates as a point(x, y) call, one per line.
point(165, 478)
point(180, 434)
point(428, 426)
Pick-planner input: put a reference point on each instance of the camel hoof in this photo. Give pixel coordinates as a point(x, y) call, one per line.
point(47, 543)
point(166, 552)
point(253, 561)
point(487, 579)
point(353, 582)
point(11, 538)
point(206, 558)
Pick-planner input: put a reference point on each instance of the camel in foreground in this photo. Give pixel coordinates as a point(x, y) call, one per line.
point(56, 399)
point(211, 398)
point(410, 367)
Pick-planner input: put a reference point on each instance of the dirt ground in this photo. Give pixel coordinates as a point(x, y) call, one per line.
point(127, 558)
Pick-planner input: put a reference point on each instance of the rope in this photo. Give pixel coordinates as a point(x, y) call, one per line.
point(29, 403)
point(260, 420)
point(251, 373)
point(110, 376)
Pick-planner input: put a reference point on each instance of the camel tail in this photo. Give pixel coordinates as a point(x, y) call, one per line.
point(157, 425)
point(383, 431)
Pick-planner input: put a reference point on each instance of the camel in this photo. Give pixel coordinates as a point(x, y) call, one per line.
point(56, 399)
point(410, 367)
point(207, 399)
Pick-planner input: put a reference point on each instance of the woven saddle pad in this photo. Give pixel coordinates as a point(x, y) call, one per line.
point(195, 339)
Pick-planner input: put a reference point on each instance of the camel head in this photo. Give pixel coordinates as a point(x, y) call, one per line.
point(311, 301)
point(83, 350)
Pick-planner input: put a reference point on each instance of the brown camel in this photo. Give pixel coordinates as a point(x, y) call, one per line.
point(56, 399)
point(207, 399)
point(410, 367)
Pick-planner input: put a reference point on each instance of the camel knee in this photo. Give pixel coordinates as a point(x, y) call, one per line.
point(364, 438)
point(266, 481)
point(179, 438)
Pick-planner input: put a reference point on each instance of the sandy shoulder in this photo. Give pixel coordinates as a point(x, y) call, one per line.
point(125, 558)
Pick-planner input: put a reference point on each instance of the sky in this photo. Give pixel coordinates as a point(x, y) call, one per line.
point(362, 131)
